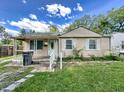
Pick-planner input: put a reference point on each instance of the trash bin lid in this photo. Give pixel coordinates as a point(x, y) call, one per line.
point(28, 51)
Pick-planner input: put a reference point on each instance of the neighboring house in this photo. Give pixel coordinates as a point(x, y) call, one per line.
point(117, 42)
point(43, 43)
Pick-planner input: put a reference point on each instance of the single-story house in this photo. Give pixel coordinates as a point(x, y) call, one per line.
point(42, 44)
point(117, 42)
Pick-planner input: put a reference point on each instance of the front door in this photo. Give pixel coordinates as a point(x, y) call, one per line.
point(51, 47)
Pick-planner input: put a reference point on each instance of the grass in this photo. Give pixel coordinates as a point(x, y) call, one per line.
point(87, 77)
point(6, 58)
point(14, 77)
point(16, 74)
point(2, 66)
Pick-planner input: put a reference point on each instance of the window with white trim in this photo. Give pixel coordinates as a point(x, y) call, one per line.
point(92, 44)
point(36, 44)
point(68, 44)
point(122, 45)
point(32, 45)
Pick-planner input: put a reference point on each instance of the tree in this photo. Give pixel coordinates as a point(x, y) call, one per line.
point(53, 28)
point(5, 37)
point(2, 32)
point(113, 22)
point(31, 31)
point(116, 18)
point(23, 31)
point(84, 21)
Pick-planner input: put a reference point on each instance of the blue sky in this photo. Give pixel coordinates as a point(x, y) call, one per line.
point(39, 14)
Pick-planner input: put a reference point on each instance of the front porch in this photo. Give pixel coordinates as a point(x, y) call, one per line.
point(44, 48)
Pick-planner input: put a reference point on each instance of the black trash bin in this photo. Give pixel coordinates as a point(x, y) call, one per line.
point(27, 58)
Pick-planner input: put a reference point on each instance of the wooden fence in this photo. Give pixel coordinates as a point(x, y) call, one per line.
point(7, 50)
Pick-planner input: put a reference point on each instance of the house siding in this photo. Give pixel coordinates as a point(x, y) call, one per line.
point(81, 44)
point(80, 36)
point(116, 41)
point(39, 52)
point(81, 32)
point(44, 51)
point(26, 45)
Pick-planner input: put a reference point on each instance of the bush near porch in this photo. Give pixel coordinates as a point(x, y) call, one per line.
point(110, 57)
point(77, 56)
point(85, 77)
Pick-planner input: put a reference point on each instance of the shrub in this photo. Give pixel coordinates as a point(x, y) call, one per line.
point(110, 57)
point(66, 59)
point(76, 52)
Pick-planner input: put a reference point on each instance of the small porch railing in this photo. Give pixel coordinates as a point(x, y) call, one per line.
point(52, 58)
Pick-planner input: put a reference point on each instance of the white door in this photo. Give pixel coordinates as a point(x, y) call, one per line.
point(51, 47)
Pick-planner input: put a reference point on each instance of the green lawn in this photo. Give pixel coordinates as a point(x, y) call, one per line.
point(6, 58)
point(85, 77)
point(16, 74)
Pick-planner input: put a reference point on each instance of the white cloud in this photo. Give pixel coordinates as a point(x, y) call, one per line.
point(58, 10)
point(62, 27)
point(51, 23)
point(53, 9)
point(71, 17)
point(49, 15)
point(12, 32)
point(41, 8)
point(79, 7)
point(24, 1)
point(38, 26)
point(33, 16)
point(2, 22)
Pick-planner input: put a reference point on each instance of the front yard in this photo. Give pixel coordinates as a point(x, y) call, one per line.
point(10, 74)
point(78, 77)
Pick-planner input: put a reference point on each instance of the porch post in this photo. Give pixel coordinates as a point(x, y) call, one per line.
point(15, 48)
point(61, 60)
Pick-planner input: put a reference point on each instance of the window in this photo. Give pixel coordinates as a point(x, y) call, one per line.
point(39, 44)
point(92, 44)
point(33, 45)
point(52, 45)
point(122, 45)
point(68, 44)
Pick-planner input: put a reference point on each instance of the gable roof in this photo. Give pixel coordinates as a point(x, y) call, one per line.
point(80, 32)
point(44, 35)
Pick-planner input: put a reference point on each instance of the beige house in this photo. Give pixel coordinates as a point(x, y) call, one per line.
point(43, 44)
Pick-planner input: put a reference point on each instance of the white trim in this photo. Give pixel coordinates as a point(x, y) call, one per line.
point(73, 43)
point(36, 46)
point(97, 44)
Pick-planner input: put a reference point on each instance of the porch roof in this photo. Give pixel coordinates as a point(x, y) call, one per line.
point(47, 35)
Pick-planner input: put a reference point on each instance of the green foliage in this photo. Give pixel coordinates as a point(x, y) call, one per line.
point(76, 52)
point(53, 28)
point(110, 57)
point(67, 59)
point(31, 31)
point(112, 22)
point(94, 77)
point(3, 33)
point(23, 31)
point(117, 19)
point(5, 37)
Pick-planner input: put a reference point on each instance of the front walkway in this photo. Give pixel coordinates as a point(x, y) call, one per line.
point(11, 87)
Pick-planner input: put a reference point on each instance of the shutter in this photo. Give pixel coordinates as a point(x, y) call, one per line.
point(87, 44)
point(74, 43)
point(64, 44)
point(98, 44)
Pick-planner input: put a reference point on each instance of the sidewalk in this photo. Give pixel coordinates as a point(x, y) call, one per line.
point(11, 87)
